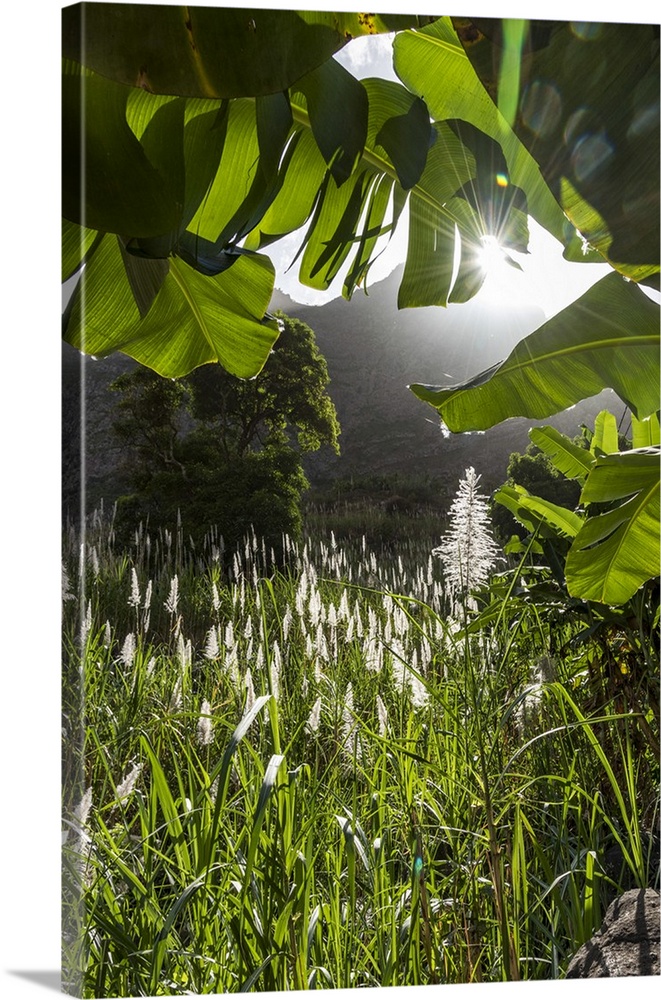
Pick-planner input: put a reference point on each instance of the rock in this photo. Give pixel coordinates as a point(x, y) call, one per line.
point(627, 943)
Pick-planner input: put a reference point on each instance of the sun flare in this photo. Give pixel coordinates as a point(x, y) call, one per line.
point(490, 255)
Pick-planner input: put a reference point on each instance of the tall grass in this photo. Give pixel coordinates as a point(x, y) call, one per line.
point(300, 771)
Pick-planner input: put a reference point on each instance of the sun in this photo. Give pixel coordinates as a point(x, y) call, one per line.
point(490, 255)
point(501, 274)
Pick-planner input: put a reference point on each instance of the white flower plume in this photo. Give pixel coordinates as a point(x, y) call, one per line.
point(467, 550)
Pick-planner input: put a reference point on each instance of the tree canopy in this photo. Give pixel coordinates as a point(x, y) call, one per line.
point(204, 446)
point(287, 404)
point(288, 398)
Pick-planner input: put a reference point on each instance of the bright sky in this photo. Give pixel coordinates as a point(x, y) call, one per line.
point(546, 279)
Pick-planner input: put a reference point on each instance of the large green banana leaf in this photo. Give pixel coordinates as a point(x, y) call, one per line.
point(605, 439)
point(607, 338)
point(535, 513)
point(194, 319)
point(614, 553)
point(587, 108)
point(645, 433)
point(568, 458)
point(212, 51)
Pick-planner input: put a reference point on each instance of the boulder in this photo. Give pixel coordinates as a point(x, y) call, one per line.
point(627, 943)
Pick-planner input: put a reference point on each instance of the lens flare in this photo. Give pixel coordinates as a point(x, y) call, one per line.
point(489, 254)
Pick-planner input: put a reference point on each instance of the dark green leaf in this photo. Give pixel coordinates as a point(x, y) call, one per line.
point(212, 51)
point(406, 140)
point(146, 276)
point(568, 458)
point(162, 141)
point(432, 63)
point(204, 141)
point(337, 105)
point(535, 513)
point(122, 191)
point(588, 110)
point(274, 121)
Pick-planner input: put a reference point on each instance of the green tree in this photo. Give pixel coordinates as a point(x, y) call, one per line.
point(149, 421)
point(215, 449)
point(288, 399)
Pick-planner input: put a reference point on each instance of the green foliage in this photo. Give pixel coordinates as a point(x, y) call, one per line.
point(261, 490)
point(148, 421)
point(191, 172)
point(213, 52)
point(614, 547)
point(221, 832)
point(616, 551)
point(432, 63)
point(517, 751)
point(585, 107)
point(609, 337)
point(536, 473)
point(192, 320)
point(290, 393)
point(215, 449)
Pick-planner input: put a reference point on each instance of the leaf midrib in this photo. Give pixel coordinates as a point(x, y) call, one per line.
point(175, 271)
point(650, 340)
point(638, 503)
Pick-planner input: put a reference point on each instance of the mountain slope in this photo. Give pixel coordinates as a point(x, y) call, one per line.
point(373, 351)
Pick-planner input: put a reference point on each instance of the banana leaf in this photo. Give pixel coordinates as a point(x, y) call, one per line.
point(609, 337)
point(212, 51)
point(615, 552)
point(193, 320)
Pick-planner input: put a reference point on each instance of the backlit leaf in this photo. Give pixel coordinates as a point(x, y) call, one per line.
point(568, 458)
point(607, 338)
point(534, 512)
point(432, 63)
point(614, 553)
point(193, 320)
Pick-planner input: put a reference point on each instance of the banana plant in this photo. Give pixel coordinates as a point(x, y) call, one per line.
point(614, 537)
